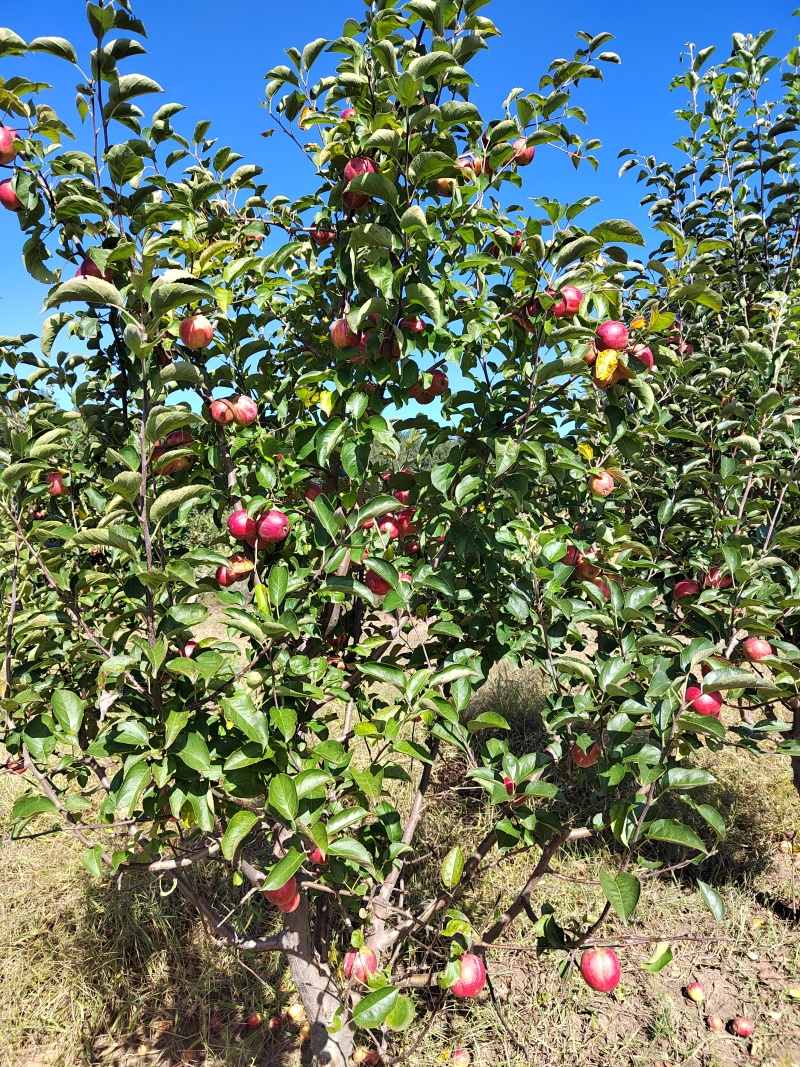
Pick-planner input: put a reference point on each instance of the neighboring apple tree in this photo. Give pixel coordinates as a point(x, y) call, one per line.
point(591, 468)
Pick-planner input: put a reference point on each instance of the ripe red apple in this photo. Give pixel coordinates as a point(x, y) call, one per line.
point(703, 703)
point(694, 991)
point(355, 201)
point(572, 557)
point(240, 525)
point(742, 1026)
point(643, 353)
point(8, 198)
point(686, 587)
point(15, 766)
point(376, 584)
point(245, 409)
point(253, 1020)
point(611, 334)
point(508, 784)
point(321, 237)
point(469, 167)
point(360, 964)
point(585, 759)
point(388, 527)
point(196, 332)
point(439, 385)
point(343, 337)
point(585, 570)
point(56, 481)
point(7, 149)
point(315, 856)
point(239, 567)
point(569, 304)
point(602, 585)
point(602, 484)
point(715, 579)
point(89, 269)
point(714, 1022)
point(523, 152)
point(273, 526)
point(356, 166)
point(412, 323)
point(290, 905)
point(590, 355)
point(473, 976)
point(178, 438)
point(445, 187)
point(284, 894)
point(221, 411)
point(313, 491)
point(188, 649)
point(348, 113)
point(600, 969)
point(756, 648)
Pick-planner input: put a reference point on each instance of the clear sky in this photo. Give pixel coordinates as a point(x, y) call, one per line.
point(212, 57)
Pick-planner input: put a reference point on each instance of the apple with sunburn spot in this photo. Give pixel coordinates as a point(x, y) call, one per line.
point(389, 527)
point(245, 409)
point(602, 484)
point(253, 1020)
point(695, 992)
point(472, 978)
point(188, 650)
point(523, 152)
point(221, 412)
point(413, 324)
point(238, 569)
point(445, 187)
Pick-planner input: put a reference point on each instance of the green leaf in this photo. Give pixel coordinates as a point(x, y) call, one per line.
point(427, 298)
point(133, 785)
point(284, 720)
point(173, 498)
point(734, 678)
point(278, 584)
point(54, 46)
point(487, 720)
point(347, 849)
point(68, 710)
point(383, 673)
point(87, 291)
point(283, 796)
point(92, 860)
point(712, 900)
point(662, 955)
point(675, 833)
point(192, 749)
point(238, 828)
point(452, 868)
point(177, 287)
point(402, 1014)
point(617, 231)
point(373, 509)
point(622, 893)
point(374, 1009)
point(280, 874)
point(27, 806)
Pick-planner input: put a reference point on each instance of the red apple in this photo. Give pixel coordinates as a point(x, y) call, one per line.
point(715, 579)
point(572, 557)
point(643, 353)
point(743, 1027)
point(694, 991)
point(508, 784)
point(602, 484)
point(221, 411)
point(523, 152)
point(290, 905)
point(355, 201)
point(348, 113)
point(438, 386)
point(343, 337)
point(7, 149)
point(376, 584)
point(388, 527)
point(586, 571)
point(611, 334)
point(585, 759)
point(473, 976)
point(412, 323)
point(56, 481)
point(715, 1023)
point(273, 526)
point(359, 964)
point(600, 969)
point(322, 238)
point(196, 332)
point(15, 766)
point(188, 649)
point(313, 491)
point(356, 166)
point(703, 703)
point(686, 587)
point(178, 438)
point(602, 585)
point(239, 567)
point(253, 1020)
point(245, 409)
point(284, 894)
point(240, 525)
point(315, 856)
point(89, 269)
point(756, 648)
point(569, 303)
point(8, 198)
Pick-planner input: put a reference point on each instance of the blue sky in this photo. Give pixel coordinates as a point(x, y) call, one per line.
point(212, 57)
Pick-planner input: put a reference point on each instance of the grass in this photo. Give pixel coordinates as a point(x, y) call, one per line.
point(92, 976)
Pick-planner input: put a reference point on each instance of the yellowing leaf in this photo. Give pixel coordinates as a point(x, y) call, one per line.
point(326, 401)
point(586, 450)
point(606, 365)
point(638, 323)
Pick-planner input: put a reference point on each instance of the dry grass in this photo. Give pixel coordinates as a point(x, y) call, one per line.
point(87, 973)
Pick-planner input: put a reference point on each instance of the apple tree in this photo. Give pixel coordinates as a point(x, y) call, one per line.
point(282, 479)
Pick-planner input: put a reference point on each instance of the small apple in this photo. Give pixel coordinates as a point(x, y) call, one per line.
point(273, 526)
point(15, 766)
point(89, 269)
point(290, 905)
point(7, 149)
point(523, 152)
point(376, 584)
point(695, 992)
point(602, 484)
point(313, 491)
point(445, 187)
point(686, 587)
point(413, 324)
point(238, 569)
point(600, 969)
point(715, 1023)
point(356, 166)
point(388, 527)
point(703, 703)
point(644, 355)
point(296, 1013)
point(585, 759)
point(348, 113)
point(359, 964)
point(742, 1026)
point(602, 585)
point(253, 1020)
point(56, 482)
point(572, 557)
point(756, 649)
point(284, 894)
point(715, 579)
point(188, 649)
point(508, 784)
point(355, 201)
point(611, 334)
point(322, 238)
point(275, 1023)
point(8, 198)
point(472, 978)
point(245, 409)
point(196, 332)
point(240, 525)
point(315, 856)
point(439, 385)
point(343, 337)
point(215, 1024)
point(221, 411)
point(569, 303)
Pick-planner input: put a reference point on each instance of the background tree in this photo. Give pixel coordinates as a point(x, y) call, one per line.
point(580, 472)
